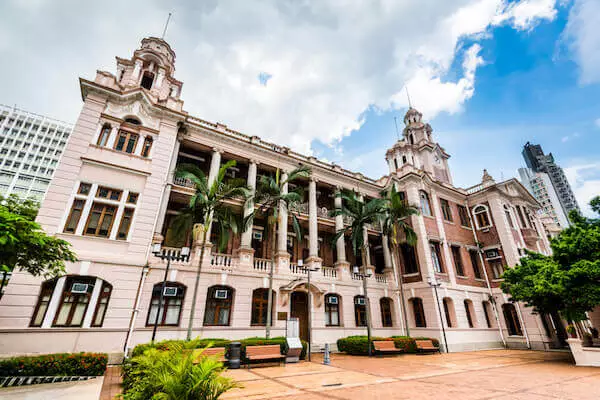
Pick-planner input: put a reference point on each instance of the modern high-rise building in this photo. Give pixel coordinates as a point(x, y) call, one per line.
point(540, 185)
point(539, 162)
point(115, 196)
point(31, 146)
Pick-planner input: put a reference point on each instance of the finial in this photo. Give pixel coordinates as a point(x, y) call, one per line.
point(396, 123)
point(408, 96)
point(166, 26)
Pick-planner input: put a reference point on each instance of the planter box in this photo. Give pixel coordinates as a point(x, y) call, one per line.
point(8, 381)
point(584, 356)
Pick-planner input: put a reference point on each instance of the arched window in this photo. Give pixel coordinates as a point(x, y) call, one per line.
point(102, 304)
point(147, 146)
point(404, 160)
point(332, 310)
point(449, 312)
point(396, 163)
point(487, 312)
point(470, 312)
point(425, 207)
point(411, 139)
point(509, 217)
point(104, 135)
point(74, 301)
point(360, 310)
point(418, 312)
point(385, 303)
point(42, 304)
point(482, 217)
point(147, 80)
point(172, 304)
point(133, 121)
point(260, 300)
point(512, 320)
point(219, 301)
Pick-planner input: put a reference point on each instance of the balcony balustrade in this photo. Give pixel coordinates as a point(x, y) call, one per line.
point(329, 272)
point(222, 261)
point(296, 270)
point(262, 264)
point(185, 182)
point(381, 278)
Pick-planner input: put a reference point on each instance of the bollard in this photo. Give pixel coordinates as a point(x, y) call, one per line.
point(326, 359)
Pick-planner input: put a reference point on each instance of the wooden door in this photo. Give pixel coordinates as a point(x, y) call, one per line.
point(299, 309)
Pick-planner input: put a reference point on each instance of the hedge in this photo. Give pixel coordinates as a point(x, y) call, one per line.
point(197, 343)
point(62, 364)
point(358, 345)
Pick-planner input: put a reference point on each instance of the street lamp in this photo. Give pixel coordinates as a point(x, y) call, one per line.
point(435, 284)
point(363, 273)
point(170, 255)
point(308, 271)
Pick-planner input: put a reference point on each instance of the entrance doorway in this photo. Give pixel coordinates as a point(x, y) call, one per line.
point(299, 309)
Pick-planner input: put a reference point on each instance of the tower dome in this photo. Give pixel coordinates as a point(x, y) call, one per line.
point(412, 116)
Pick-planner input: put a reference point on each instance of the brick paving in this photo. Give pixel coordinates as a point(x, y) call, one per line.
point(112, 383)
point(492, 374)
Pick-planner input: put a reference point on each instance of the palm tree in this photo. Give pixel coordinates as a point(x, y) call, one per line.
point(207, 207)
point(361, 215)
point(268, 198)
point(399, 231)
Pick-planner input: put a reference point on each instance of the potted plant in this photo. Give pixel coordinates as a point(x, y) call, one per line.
point(587, 341)
point(572, 331)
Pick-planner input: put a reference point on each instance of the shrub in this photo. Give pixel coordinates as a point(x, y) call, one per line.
point(166, 345)
point(260, 341)
point(63, 364)
point(171, 374)
point(436, 342)
point(358, 345)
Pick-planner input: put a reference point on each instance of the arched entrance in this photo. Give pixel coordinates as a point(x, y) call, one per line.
point(299, 309)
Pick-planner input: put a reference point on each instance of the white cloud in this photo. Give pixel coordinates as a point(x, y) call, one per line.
point(566, 138)
point(329, 61)
point(585, 182)
point(597, 122)
point(583, 38)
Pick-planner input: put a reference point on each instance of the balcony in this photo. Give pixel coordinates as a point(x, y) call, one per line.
point(529, 234)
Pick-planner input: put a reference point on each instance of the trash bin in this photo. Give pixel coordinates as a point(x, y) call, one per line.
point(235, 352)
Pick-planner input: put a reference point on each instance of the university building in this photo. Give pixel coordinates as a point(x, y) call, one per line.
point(114, 195)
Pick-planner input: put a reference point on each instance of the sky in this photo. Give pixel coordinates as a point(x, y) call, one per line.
point(328, 77)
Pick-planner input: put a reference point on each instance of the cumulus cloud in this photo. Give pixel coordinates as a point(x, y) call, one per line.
point(583, 38)
point(585, 182)
point(327, 62)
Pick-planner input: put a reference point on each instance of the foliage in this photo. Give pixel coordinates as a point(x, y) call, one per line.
point(172, 375)
point(395, 225)
point(358, 345)
point(567, 282)
point(24, 245)
point(280, 340)
point(27, 208)
point(62, 364)
point(269, 197)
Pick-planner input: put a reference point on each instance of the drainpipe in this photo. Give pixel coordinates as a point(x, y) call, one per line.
point(487, 279)
point(136, 308)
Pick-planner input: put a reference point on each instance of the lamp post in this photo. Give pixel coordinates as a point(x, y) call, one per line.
point(169, 255)
point(309, 298)
point(364, 273)
point(435, 284)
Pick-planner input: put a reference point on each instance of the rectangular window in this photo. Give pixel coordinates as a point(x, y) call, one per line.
point(43, 302)
point(126, 141)
point(464, 217)
point(446, 210)
point(436, 257)
point(475, 263)
point(409, 258)
point(460, 271)
point(74, 302)
point(84, 188)
point(132, 198)
point(100, 220)
point(102, 305)
point(108, 193)
point(74, 216)
point(125, 224)
point(497, 268)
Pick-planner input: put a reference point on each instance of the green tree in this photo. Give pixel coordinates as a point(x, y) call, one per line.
point(208, 206)
point(569, 280)
point(270, 196)
point(397, 229)
point(361, 215)
point(25, 246)
point(27, 208)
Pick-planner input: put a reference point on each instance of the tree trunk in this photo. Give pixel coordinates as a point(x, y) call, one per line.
point(367, 301)
point(398, 269)
point(271, 271)
point(193, 309)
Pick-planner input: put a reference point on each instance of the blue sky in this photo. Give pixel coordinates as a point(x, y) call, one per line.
point(327, 77)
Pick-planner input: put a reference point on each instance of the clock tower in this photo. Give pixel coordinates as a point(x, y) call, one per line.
point(417, 150)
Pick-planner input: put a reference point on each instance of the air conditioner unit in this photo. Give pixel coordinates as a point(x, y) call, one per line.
point(257, 235)
point(79, 288)
point(170, 292)
point(332, 300)
point(493, 253)
point(360, 301)
point(221, 294)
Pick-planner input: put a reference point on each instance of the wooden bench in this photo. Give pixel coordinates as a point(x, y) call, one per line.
point(267, 352)
point(426, 346)
point(385, 346)
point(216, 352)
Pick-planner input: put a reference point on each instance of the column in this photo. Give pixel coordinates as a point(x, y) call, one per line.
point(215, 164)
point(445, 247)
point(340, 244)
point(162, 211)
point(87, 320)
point(54, 302)
point(313, 227)
point(246, 240)
point(366, 238)
point(387, 257)
point(282, 257)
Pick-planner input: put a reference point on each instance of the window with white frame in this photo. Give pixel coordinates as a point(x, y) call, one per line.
point(482, 217)
point(101, 211)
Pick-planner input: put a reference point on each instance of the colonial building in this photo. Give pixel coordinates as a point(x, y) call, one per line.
point(114, 195)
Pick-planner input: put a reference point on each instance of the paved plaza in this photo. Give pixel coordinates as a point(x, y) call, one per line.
point(493, 374)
